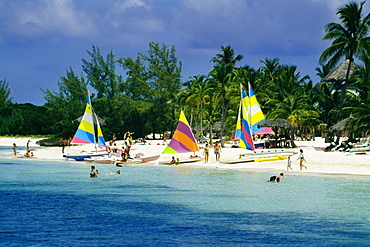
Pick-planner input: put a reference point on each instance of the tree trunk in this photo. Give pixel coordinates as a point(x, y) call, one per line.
point(292, 137)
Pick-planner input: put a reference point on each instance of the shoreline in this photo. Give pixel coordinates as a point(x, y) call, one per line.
point(318, 162)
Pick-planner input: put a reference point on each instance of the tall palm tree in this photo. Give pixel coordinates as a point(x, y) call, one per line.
point(221, 72)
point(199, 83)
point(294, 108)
point(227, 57)
point(350, 39)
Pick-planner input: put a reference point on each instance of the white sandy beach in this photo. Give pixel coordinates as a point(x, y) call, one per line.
point(318, 162)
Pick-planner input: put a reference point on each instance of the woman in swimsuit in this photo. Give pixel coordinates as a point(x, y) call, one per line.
point(206, 153)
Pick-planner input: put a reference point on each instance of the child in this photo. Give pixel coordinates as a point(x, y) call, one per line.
point(289, 165)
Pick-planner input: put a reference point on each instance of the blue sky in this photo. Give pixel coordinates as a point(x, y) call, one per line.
point(41, 39)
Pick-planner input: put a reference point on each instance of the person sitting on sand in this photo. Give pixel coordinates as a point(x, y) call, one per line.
point(118, 172)
point(177, 162)
point(173, 161)
point(93, 173)
point(27, 154)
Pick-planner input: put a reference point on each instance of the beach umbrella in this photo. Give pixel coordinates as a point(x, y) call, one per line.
point(275, 123)
point(339, 73)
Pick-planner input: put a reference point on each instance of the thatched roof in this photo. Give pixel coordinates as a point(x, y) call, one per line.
point(339, 73)
point(101, 121)
point(341, 125)
point(275, 123)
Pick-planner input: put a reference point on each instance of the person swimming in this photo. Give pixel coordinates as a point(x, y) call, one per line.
point(276, 178)
point(93, 173)
point(118, 172)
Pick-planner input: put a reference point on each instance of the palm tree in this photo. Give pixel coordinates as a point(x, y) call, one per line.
point(323, 71)
point(221, 72)
point(294, 108)
point(227, 57)
point(199, 84)
point(350, 39)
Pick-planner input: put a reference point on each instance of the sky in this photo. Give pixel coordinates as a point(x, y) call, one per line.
point(40, 40)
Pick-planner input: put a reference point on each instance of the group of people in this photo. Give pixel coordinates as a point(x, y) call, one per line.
point(300, 158)
point(28, 154)
point(94, 172)
point(174, 161)
point(217, 151)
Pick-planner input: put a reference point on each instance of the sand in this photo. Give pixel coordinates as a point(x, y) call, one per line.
point(317, 162)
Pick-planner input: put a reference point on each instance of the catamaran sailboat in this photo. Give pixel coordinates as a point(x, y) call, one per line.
point(85, 134)
point(183, 141)
point(249, 116)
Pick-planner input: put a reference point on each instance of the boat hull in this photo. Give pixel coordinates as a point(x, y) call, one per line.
point(272, 158)
point(81, 157)
point(146, 159)
point(188, 160)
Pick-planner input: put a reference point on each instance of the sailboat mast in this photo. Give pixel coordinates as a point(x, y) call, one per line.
point(250, 110)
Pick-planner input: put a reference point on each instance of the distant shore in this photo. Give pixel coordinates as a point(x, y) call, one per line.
point(318, 162)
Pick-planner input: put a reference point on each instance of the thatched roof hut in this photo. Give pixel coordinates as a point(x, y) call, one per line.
point(339, 73)
point(275, 123)
point(341, 125)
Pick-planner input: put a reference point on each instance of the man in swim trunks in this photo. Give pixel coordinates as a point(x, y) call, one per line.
point(217, 148)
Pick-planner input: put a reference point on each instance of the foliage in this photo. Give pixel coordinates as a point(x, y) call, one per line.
point(350, 40)
point(147, 96)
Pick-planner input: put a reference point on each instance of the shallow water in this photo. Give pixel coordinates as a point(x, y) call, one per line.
point(51, 203)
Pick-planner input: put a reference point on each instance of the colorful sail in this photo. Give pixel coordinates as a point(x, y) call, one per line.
point(256, 115)
point(183, 140)
point(245, 140)
point(101, 141)
point(238, 131)
point(85, 132)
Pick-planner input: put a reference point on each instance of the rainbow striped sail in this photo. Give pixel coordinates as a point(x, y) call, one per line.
point(249, 116)
point(183, 140)
point(101, 141)
point(256, 115)
point(245, 138)
point(85, 133)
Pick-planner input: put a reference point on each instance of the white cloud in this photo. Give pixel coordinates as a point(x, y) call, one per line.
point(128, 4)
point(44, 16)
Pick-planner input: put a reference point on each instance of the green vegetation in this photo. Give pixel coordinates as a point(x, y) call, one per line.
point(145, 94)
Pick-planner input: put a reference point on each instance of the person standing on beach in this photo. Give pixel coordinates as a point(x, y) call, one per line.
point(164, 139)
point(301, 159)
point(217, 148)
point(289, 166)
point(28, 145)
point(63, 142)
point(206, 153)
point(15, 149)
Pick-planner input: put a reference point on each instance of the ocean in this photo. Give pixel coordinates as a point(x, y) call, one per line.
point(56, 203)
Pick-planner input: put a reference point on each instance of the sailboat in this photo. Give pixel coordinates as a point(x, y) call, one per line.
point(85, 133)
point(249, 116)
point(183, 141)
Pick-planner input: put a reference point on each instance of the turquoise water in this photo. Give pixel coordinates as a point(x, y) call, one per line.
point(52, 203)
